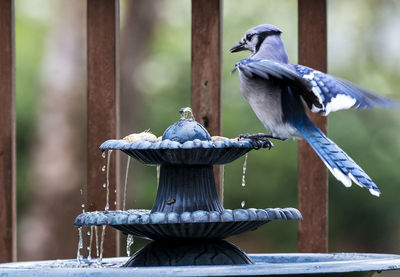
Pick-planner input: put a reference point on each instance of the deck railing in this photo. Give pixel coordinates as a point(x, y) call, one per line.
point(102, 121)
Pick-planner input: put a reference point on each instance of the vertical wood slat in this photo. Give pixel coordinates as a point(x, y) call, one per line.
point(8, 252)
point(206, 68)
point(312, 173)
point(102, 102)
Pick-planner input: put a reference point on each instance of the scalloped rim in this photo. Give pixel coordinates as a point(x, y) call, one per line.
point(120, 144)
point(143, 217)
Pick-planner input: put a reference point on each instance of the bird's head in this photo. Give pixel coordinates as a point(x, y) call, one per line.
point(254, 37)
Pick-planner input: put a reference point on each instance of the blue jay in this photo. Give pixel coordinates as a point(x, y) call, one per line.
point(278, 92)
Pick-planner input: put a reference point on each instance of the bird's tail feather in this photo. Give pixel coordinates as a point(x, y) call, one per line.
point(338, 162)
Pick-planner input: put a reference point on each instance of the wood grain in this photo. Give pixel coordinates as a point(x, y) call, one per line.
point(102, 102)
point(312, 173)
point(206, 68)
point(8, 248)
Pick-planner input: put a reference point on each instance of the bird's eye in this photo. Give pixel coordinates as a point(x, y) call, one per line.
point(248, 37)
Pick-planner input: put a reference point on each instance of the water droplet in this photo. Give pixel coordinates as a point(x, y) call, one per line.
point(129, 242)
point(107, 207)
point(115, 191)
point(104, 185)
point(81, 190)
point(88, 233)
point(103, 155)
point(244, 171)
point(83, 205)
point(243, 203)
point(115, 203)
point(88, 248)
point(103, 168)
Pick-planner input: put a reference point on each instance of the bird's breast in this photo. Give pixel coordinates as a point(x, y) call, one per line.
point(264, 98)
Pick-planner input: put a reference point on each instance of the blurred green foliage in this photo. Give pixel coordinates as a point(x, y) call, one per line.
point(363, 47)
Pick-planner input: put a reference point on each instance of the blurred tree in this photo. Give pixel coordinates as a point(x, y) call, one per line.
point(140, 19)
point(58, 159)
point(363, 47)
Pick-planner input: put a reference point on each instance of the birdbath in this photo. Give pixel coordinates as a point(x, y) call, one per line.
point(187, 215)
point(188, 221)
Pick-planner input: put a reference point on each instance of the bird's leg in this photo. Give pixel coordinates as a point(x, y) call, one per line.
point(261, 139)
point(260, 135)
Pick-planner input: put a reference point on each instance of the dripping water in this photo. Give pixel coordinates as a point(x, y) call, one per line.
point(129, 243)
point(90, 242)
point(107, 207)
point(243, 203)
point(223, 175)
point(103, 233)
point(97, 241)
point(244, 171)
point(158, 175)
point(80, 246)
point(126, 181)
point(103, 168)
point(103, 154)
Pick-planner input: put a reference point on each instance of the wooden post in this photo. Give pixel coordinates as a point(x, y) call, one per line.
point(102, 101)
point(312, 173)
point(8, 249)
point(206, 68)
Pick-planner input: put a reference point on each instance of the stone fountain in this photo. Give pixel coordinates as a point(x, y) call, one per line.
point(187, 215)
point(188, 221)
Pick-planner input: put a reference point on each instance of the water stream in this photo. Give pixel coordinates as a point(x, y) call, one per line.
point(107, 207)
point(103, 233)
point(129, 243)
point(80, 246)
point(126, 181)
point(243, 203)
point(244, 171)
point(158, 175)
point(96, 231)
point(89, 248)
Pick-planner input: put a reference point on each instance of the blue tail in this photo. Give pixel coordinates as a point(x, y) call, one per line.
point(339, 163)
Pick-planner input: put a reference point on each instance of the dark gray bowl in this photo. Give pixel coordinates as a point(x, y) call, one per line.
point(192, 152)
point(290, 265)
point(197, 224)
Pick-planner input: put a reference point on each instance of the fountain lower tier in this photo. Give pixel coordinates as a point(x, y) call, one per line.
point(274, 264)
point(196, 224)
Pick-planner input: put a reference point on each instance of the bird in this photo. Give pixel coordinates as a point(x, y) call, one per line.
point(280, 93)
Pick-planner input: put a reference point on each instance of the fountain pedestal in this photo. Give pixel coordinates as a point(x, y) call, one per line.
point(187, 215)
point(187, 188)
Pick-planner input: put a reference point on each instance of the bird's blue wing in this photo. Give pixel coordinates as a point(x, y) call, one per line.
point(322, 92)
point(338, 94)
point(278, 72)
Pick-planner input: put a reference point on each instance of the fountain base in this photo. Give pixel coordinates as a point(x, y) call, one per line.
point(290, 265)
point(188, 252)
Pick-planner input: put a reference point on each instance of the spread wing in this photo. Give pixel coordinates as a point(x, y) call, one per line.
point(322, 92)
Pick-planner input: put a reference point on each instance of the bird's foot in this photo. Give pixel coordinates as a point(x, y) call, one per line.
point(261, 139)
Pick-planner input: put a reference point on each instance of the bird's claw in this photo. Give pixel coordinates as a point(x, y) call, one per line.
point(260, 140)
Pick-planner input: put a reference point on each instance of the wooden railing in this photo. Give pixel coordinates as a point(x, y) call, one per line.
point(103, 88)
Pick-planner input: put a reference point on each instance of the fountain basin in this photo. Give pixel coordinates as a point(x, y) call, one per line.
point(292, 264)
point(191, 152)
point(197, 224)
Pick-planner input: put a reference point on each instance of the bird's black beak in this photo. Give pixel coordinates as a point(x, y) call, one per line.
point(238, 47)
